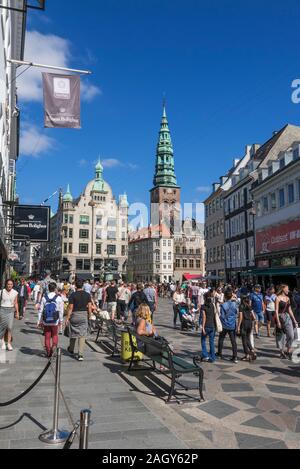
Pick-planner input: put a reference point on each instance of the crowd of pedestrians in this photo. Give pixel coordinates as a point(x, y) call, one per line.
point(225, 311)
point(239, 312)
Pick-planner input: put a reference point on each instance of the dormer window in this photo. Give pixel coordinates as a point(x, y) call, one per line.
point(282, 163)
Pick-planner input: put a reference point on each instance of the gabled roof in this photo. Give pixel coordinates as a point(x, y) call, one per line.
point(265, 149)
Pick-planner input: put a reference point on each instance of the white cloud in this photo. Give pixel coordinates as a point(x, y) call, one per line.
point(114, 163)
point(111, 163)
point(203, 189)
point(89, 92)
point(34, 142)
point(50, 50)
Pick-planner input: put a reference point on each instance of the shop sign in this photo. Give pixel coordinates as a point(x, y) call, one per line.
point(279, 238)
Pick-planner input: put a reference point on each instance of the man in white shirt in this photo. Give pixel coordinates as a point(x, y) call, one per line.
point(87, 287)
point(123, 297)
point(178, 299)
point(202, 290)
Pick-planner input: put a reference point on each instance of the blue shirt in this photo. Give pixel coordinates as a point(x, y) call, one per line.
point(229, 312)
point(257, 300)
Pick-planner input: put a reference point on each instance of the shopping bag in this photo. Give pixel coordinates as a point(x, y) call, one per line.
point(297, 334)
point(219, 326)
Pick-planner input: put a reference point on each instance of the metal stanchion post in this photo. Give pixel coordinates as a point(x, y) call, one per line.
point(56, 436)
point(85, 421)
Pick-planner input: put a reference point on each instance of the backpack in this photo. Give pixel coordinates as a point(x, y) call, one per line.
point(50, 313)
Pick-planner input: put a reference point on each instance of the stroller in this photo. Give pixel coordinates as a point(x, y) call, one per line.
point(187, 318)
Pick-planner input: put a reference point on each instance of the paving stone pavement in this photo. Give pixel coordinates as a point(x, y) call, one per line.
point(247, 405)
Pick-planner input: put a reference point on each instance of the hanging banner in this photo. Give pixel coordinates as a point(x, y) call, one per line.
point(31, 223)
point(62, 101)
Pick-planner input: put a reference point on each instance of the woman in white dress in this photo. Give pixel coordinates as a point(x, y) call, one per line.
point(8, 309)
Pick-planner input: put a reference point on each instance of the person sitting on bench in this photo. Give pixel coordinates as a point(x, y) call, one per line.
point(144, 326)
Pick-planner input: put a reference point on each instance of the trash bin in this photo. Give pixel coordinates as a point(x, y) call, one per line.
point(126, 350)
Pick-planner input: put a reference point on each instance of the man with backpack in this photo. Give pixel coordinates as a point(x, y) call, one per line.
point(138, 298)
point(51, 315)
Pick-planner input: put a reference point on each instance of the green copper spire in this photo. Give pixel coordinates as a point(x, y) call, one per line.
point(165, 168)
point(99, 182)
point(68, 196)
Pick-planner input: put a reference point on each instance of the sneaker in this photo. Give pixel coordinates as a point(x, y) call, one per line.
point(234, 360)
point(9, 347)
point(205, 360)
point(80, 358)
point(3, 346)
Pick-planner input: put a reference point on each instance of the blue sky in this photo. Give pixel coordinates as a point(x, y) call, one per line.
point(226, 67)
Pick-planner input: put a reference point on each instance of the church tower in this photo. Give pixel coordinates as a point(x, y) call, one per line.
point(165, 195)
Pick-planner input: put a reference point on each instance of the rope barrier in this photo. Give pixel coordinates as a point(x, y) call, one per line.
point(69, 442)
point(23, 394)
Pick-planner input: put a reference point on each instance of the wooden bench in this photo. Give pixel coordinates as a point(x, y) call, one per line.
point(110, 330)
point(158, 351)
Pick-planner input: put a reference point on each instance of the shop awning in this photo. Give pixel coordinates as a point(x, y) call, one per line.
point(192, 277)
point(84, 276)
point(293, 271)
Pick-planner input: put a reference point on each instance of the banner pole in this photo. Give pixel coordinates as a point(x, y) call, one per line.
point(52, 67)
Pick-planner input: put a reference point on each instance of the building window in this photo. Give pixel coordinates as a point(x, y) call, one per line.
point(83, 248)
point(192, 263)
point(84, 234)
point(281, 163)
point(70, 248)
point(164, 243)
point(112, 222)
point(71, 219)
point(98, 264)
point(198, 264)
point(84, 220)
point(178, 263)
point(99, 220)
point(178, 247)
point(265, 204)
point(112, 235)
point(79, 264)
point(192, 251)
point(65, 232)
point(184, 263)
point(123, 251)
point(98, 248)
point(281, 198)
point(66, 218)
point(184, 250)
point(65, 248)
point(123, 236)
point(111, 250)
point(70, 232)
point(169, 256)
point(296, 153)
point(273, 201)
point(291, 192)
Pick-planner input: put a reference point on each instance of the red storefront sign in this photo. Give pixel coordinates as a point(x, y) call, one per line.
point(280, 238)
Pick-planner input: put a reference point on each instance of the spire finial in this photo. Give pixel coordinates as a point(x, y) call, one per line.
point(164, 105)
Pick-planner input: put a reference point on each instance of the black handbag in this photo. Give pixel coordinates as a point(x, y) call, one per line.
point(67, 332)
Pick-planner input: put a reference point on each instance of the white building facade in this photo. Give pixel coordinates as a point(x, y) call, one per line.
point(89, 235)
point(277, 206)
point(12, 41)
point(151, 255)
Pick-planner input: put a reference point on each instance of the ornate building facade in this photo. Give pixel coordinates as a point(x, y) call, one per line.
point(89, 235)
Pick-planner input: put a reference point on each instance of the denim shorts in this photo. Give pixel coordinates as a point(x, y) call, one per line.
point(260, 316)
